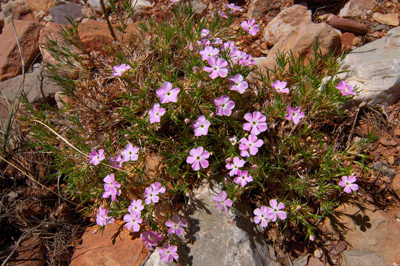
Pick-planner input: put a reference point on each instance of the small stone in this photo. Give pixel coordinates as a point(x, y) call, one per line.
point(356, 41)
point(398, 215)
point(323, 17)
point(393, 142)
point(398, 220)
point(263, 46)
point(396, 185)
point(397, 132)
point(390, 160)
point(302, 261)
point(315, 262)
point(48, 18)
point(318, 253)
point(339, 248)
point(387, 19)
point(380, 27)
point(384, 169)
point(384, 141)
point(362, 257)
point(40, 15)
point(386, 179)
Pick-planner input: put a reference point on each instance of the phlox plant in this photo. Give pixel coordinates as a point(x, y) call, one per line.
point(179, 92)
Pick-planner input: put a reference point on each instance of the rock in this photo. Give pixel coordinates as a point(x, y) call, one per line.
point(286, 20)
point(378, 166)
point(357, 8)
point(301, 40)
point(31, 252)
point(48, 18)
point(259, 8)
point(302, 261)
point(398, 215)
point(397, 132)
point(199, 7)
point(380, 27)
point(369, 71)
point(100, 248)
point(318, 253)
point(62, 100)
point(396, 185)
point(348, 25)
point(141, 4)
point(10, 61)
point(60, 13)
point(221, 239)
point(363, 257)
point(390, 160)
point(44, 5)
point(315, 262)
point(7, 9)
point(49, 31)
point(347, 40)
point(95, 35)
point(387, 19)
point(20, 11)
point(338, 248)
point(155, 260)
point(95, 4)
point(363, 227)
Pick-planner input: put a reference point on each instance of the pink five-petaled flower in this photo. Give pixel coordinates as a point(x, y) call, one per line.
point(136, 207)
point(238, 84)
point(111, 187)
point(345, 89)
point(294, 114)
point(222, 201)
point(175, 226)
point(263, 215)
point(102, 218)
point(198, 158)
point(119, 70)
point(234, 167)
point(132, 221)
point(130, 153)
point(174, 1)
point(276, 210)
point(201, 126)
point(151, 193)
point(151, 239)
point(251, 27)
point(117, 161)
point(280, 86)
point(168, 253)
point(256, 123)
point(243, 178)
point(347, 183)
point(252, 143)
point(233, 140)
point(95, 158)
point(167, 94)
point(156, 113)
point(208, 52)
point(218, 67)
point(224, 105)
point(234, 8)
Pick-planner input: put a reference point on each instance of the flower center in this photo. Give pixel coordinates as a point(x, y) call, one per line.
point(294, 114)
point(262, 216)
point(250, 144)
point(157, 114)
point(243, 177)
point(347, 183)
point(254, 123)
point(223, 105)
point(198, 158)
point(215, 68)
point(202, 126)
point(97, 157)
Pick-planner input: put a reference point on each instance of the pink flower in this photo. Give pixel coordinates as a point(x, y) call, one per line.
point(102, 218)
point(201, 126)
point(251, 27)
point(224, 105)
point(252, 143)
point(175, 226)
point(233, 140)
point(347, 183)
point(256, 123)
point(208, 52)
point(136, 207)
point(294, 114)
point(276, 210)
point(222, 14)
point(198, 158)
point(151, 193)
point(217, 41)
point(157, 188)
point(132, 222)
point(156, 113)
point(95, 158)
point(238, 84)
point(280, 86)
point(345, 89)
point(228, 46)
point(117, 161)
point(222, 202)
point(167, 94)
point(119, 70)
point(263, 215)
point(249, 61)
point(204, 42)
point(238, 57)
point(111, 187)
point(130, 153)
point(150, 239)
point(312, 238)
point(234, 167)
point(234, 8)
point(243, 178)
point(204, 33)
point(218, 67)
point(168, 253)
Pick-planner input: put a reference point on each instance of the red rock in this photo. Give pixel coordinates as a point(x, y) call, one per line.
point(348, 25)
point(51, 32)
point(347, 40)
point(396, 185)
point(32, 252)
point(44, 5)
point(95, 35)
point(20, 11)
point(258, 8)
point(28, 35)
point(315, 262)
point(104, 249)
point(357, 8)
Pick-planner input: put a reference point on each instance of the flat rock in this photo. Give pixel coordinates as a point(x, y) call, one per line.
point(347, 39)
point(375, 70)
point(141, 4)
point(387, 19)
point(112, 248)
point(95, 4)
point(344, 24)
point(301, 40)
point(28, 35)
point(221, 239)
point(365, 228)
point(362, 257)
point(31, 252)
point(357, 8)
point(258, 8)
point(95, 35)
point(60, 13)
point(286, 20)
point(396, 185)
point(155, 260)
point(49, 31)
point(44, 5)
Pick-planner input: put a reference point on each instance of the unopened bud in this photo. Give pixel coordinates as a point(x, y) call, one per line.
point(235, 113)
point(254, 166)
point(128, 136)
point(228, 160)
point(212, 115)
point(312, 238)
point(298, 208)
point(267, 103)
point(191, 46)
point(200, 84)
point(196, 69)
point(187, 120)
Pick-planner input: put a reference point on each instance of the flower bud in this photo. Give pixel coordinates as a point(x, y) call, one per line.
point(128, 136)
point(191, 46)
point(254, 166)
point(196, 70)
point(312, 238)
point(228, 160)
point(200, 84)
point(187, 120)
point(212, 115)
point(267, 103)
point(235, 113)
point(298, 207)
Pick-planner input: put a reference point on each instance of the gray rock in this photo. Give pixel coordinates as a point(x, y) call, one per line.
point(219, 239)
point(60, 13)
point(95, 4)
point(302, 261)
point(362, 257)
point(380, 27)
point(375, 70)
point(354, 8)
point(199, 7)
point(141, 4)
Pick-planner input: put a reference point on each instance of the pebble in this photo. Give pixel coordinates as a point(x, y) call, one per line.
point(379, 27)
point(397, 132)
point(383, 141)
point(393, 142)
point(386, 179)
point(318, 252)
point(398, 215)
point(390, 160)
